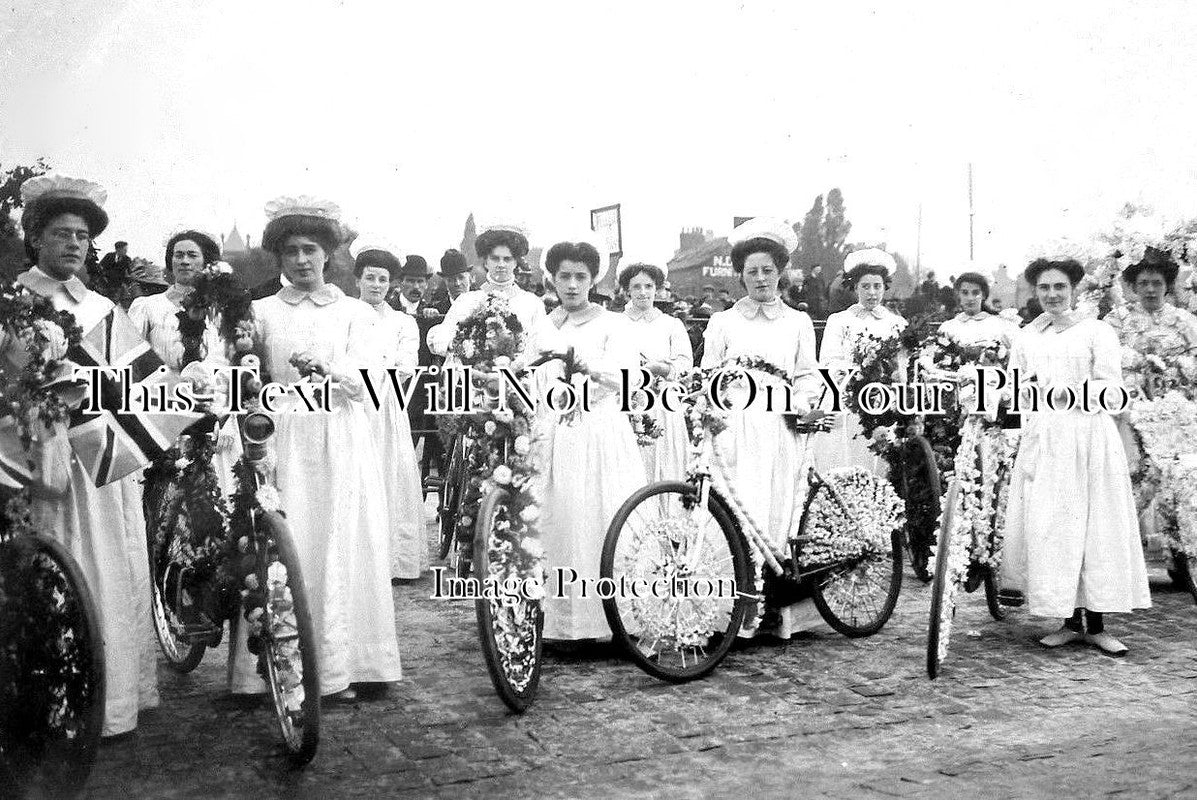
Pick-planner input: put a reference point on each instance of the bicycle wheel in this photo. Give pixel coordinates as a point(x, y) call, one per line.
point(166, 565)
point(288, 639)
point(450, 500)
point(510, 629)
point(856, 597)
point(679, 572)
point(1182, 572)
point(921, 492)
point(944, 587)
point(51, 669)
point(993, 591)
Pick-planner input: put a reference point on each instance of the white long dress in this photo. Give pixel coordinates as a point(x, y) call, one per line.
point(980, 327)
point(661, 337)
point(1072, 537)
point(761, 455)
point(331, 488)
point(156, 317)
point(843, 447)
point(588, 467)
point(399, 338)
point(104, 529)
point(527, 307)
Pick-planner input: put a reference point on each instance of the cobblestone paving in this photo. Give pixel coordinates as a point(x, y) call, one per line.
point(821, 715)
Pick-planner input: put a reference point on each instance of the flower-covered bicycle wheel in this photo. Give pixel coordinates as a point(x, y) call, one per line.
point(51, 670)
point(678, 571)
point(510, 622)
point(849, 546)
point(282, 636)
point(951, 564)
point(166, 527)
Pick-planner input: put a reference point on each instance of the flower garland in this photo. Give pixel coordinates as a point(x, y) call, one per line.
point(835, 537)
point(500, 437)
point(1158, 358)
point(216, 294)
point(34, 341)
point(876, 360)
point(1165, 429)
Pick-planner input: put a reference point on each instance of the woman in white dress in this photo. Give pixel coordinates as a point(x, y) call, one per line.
point(589, 463)
point(664, 351)
point(503, 249)
point(156, 316)
point(375, 265)
point(973, 324)
point(327, 470)
point(760, 455)
point(868, 274)
point(102, 527)
point(1072, 537)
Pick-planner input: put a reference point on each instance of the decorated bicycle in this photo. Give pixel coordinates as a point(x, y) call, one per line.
point(693, 569)
point(52, 683)
point(1160, 370)
point(215, 559)
point(493, 510)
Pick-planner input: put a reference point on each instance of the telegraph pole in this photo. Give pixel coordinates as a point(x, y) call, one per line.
point(971, 214)
point(918, 248)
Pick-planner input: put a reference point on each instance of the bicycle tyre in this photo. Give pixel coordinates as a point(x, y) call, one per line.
point(704, 660)
point(939, 587)
point(37, 750)
point(181, 656)
point(516, 685)
point(921, 480)
point(879, 563)
point(993, 590)
point(450, 500)
point(301, 740)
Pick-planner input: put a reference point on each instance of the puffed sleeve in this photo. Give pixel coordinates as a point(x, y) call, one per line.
point(714, 348)
point(806, 364)
point(1106, 352)
point(832, 354)
point(406, 345)
point(681, 353)
point(139, 314)
point(361, 350)
point(441, 336)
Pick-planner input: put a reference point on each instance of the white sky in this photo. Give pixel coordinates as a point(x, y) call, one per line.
point(411, 115)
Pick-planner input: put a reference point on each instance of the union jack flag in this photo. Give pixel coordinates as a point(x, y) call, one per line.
point(111, 445)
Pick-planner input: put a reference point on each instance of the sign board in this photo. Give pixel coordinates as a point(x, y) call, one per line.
point(606, 223)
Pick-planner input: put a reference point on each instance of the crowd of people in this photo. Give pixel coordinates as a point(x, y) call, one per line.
point(351, 480)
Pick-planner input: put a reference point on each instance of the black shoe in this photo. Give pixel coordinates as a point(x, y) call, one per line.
point(1011, 598)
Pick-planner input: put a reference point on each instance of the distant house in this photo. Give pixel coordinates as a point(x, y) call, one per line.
point(233, 243)
point(702, 260)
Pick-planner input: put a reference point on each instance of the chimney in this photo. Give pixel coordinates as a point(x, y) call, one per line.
point(691, 238)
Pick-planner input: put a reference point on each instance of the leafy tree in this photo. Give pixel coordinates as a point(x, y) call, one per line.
point(835, 232)
point(12, 248)
point(810, 238)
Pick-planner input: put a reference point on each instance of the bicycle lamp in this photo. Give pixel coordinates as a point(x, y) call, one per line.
point(257, 428)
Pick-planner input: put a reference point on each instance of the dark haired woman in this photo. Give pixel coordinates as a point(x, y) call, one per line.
point(589, 464)
point(1154, 328)
point(760, 456)
point(327, 469)
point(867, 273)
point(503, 249)
point(375, 264)
point(156, 317)
point(665, 351)
point(1072, 538)
point(973, 323)
point(102, 526)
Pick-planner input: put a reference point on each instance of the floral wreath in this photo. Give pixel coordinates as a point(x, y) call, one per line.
point(1164, 429)
point(216, 293)
point(47, 335)
point(834, 537)
point(491, 337)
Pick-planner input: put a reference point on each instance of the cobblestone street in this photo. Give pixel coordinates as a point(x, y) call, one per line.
point(821, 715)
